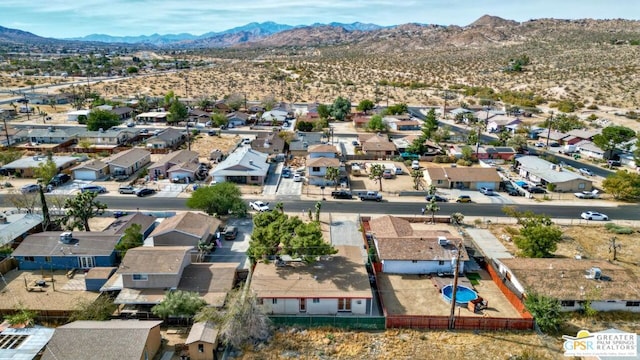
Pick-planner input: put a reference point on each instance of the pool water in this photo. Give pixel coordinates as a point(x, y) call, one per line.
point(463, 295)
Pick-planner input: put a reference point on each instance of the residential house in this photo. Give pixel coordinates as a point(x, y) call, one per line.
point(160, 169)
point(377, 145)
point(484, 152)
point(275, 116)
point(254, 109)
point(361, 122)
point(416, 248)
point(76, 115)
point(322, 151)
point(51, 135)
point(401, 123)
point(187, 172)
point(14, 135)
point(202, 341)
point(146, 222)
point(544, 172)
point(579, 135)
point(185, 229)
point(590, 150)
point(601, 285)
point(123, 112)
point(198, 116)
point(237, 118)
point(553, 136)
point(24, 167)
point(500, 123)
point(212, 281)
point(334, 285)
point(23, 343)
point(152, 117)
point(317, 169)
point(154, 267)
point(90, 170)
point(106, 139)
point(107, 340)
point(67, 250)
point(128, 162)
point(167, 139)
point(299, 145)
point(221, 107)
point(268, 143)
point(243, 166)
point(15, 226)
point(462, 177)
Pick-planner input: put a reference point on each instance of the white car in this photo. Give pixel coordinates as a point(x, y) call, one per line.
point(259, 206)
point(593, 215)
point(415, 165)
point(297, 177)
point(585, 171)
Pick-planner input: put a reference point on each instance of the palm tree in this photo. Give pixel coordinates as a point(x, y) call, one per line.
point(333, 175)
point(433, 208)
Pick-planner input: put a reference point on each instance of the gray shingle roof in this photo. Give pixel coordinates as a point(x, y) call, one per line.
point(84, 243)
point(154, 260)
point(127, 158)
point(545, 170)
point(242, 162)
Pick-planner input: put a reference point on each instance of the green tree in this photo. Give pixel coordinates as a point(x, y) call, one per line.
point(308, 243)
point(23, 317)
point(365, 105)
point(324, 111)
point(177, 111)
point(132, 70)
point(219, 120)
point(623, 185)
point(340, 108)
point(430, 124)
point(102, 119)
point(457, 218)
point(545, 310)
point(441, 135)
point(132, 238)
point(376, 124)
point(611, 137)
point(220, 199)
point(318, 207)
point(396, 109)
point(269, 102)
point(518, 142)
point(179, 303)
point(10, 155)
point(100, 309)
point(304, 126)
point(538, 241)
point(376, 172)
point(564, 123)
point(418, 176)
point(81, 208)
point(333, 174)
point(433, 208)
point(45, 172)
point(235, 101)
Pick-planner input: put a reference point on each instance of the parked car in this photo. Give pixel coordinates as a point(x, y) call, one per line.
point(119, 214)
point(514, 192)
point(594, 215)
point(585, 171)
point(144, 192)
point(409, 156)
point(59, 179)
point(354, 143)
point(487, 191)
point(463, 199)
point(613, 163)
point(554, 144)
point(29, 188)
point(387, 174)
point(587, 194)
point(537, 190)
point(539, 144)
point(230, 232)
point(415, 165)
point(127, 189)
point(259, 206)
point(93, 188)
point(341, 194)
point(370, 195)
point(286, 173)
point(437, 197)
point(297, 177)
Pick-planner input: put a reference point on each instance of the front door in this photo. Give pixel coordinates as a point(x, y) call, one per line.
point(86, 262)
point(344, 305)
point(303, 305)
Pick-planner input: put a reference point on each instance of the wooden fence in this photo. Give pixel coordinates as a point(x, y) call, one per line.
point(460, 322)
point(514, 299)
point(7, 265)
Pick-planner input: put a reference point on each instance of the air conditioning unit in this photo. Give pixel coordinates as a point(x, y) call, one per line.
point(442, 241)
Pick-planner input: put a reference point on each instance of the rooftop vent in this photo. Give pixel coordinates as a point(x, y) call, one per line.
point(594, 273)
point(442, 241)
point(3, 219)
point(66, 237)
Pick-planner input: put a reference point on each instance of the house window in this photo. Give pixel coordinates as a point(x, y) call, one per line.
point(86, 262)
point(316, 301)
point(140, 277)
point(440, 182)
point(274, 301)
point(633, 303)
point(254, 178)
point(568, 303)
point(440, 263)
point(344, 305)
point(315, 169)
point(200, 348)
point(47, 259)
point(29, 258)
point(302, 305)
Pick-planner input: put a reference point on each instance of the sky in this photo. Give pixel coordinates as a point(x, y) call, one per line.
point(77, 18)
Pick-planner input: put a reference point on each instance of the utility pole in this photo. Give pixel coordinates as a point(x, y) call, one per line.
point(6, 131)
point(549, 129)
point(452, 315)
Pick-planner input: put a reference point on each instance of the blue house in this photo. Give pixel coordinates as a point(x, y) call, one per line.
point(56, 250)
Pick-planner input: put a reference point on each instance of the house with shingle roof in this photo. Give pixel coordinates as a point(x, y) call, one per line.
point(106, 138)
point(106, 340)
point(160, 168)
point(185, 229)
point(545, 172)
point(462, 177)
point(268, 143)
point(243, 166)
point(168, 139)
point(123, 112)
point(377, 145)
point(416, 248)
point(59, 250)
point(553, 136)
point(128, 162)
point(604, 285)
point(334, 285)
point(589, 149)
point(90, 170)
point(120, 225)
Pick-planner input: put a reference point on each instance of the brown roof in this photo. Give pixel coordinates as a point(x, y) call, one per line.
point(211, 281)
point(566, 279)
point(100, 273)
point(119, 225)
point(464, 174)
point(203, 332)
point(154, 260)
point(322, 148)
point(127, 158)
point(185, 166)
point(378, 143)
point(323, 162)
point(176, 157)
point(91, 165)
point(390, 226)
point(342, 275)
point(420, 248)
point(189, 223)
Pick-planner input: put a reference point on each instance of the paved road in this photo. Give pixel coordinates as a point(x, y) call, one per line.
point(596, 170)
point(627, 212)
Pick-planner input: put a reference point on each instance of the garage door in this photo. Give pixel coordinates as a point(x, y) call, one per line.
point(489, 184)
point(84, 175)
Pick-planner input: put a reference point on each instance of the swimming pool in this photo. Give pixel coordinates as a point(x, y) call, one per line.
point(463, 295)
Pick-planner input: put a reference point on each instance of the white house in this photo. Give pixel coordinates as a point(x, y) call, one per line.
point(321, 288)
point(322, 150)
point(416, 248)
point(75, 114)
point(243, 166)
point(590, 150)
point(607, 286)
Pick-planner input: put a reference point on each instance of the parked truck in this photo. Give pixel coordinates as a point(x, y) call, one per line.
point(568, 149)
point(370, 195)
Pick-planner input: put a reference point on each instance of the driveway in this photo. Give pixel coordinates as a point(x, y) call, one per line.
point(70, 187)
point(168, 189)
point(234, 251)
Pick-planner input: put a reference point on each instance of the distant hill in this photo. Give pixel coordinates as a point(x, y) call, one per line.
point(15, 36)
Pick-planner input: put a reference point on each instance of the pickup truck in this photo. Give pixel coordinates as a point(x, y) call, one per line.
point(370, 195)
point(341, 194)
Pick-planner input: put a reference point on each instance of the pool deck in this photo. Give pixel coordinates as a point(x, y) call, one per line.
point(418, 295)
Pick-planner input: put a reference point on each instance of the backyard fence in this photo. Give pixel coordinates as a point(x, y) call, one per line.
point(7, 264)
point(342, 322)
point(461, 322)
point(514, 299)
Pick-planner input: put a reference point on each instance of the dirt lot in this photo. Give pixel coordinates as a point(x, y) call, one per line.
point(204, 144)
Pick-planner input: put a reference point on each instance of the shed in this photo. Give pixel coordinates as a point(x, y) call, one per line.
point(202, 341)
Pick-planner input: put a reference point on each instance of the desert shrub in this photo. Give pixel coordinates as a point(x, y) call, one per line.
point(463, 162)
point(511, 230)
point(443, 159)
point(618, 229)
